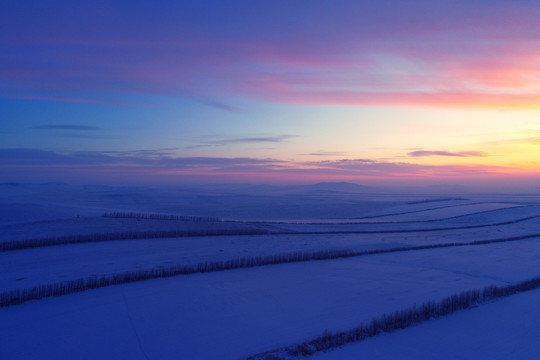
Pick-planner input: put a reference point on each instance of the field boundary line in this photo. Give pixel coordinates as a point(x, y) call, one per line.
point(19, 296)
point(400, 319)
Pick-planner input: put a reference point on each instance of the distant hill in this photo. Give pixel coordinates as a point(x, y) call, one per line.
point(342, 187)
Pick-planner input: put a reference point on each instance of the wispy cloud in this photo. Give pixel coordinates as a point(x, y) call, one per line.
point(243, 140)
point(374, 168)
point(326, 153)
point(368, 166)
point(163, 152)
point(77, 100)
point(257, 139)
point(422, 153)
point(464, 54)
point(67, 127)
point(83, 136)
point(158, 163)
point(460, 98)
point(221, 105)
point(144, 158)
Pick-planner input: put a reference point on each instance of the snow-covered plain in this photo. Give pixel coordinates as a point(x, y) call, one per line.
point(236, 313)
point(226, 315)
point(25, 268)
point(505, 329)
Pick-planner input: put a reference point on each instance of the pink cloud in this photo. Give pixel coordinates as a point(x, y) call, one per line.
point(422, 153)
point(433, 53)
point(436, 99)
point(163, 166)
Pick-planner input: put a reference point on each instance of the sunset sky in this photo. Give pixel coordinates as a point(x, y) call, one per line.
point(289, 91)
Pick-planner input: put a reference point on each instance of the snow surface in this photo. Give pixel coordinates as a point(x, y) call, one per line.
point(229, 314)
point(24, 268)
point(236, 313)
point(27, 202)
point(505, 329)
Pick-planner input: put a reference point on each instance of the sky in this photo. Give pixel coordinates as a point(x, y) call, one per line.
point(371, 92)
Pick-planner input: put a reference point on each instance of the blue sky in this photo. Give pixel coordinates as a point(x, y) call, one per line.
point(445, 90)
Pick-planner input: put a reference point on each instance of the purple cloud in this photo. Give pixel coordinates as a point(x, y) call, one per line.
point(160, 164)
point(243, 140)
point(326, 153)
point(422, 153)
point(142, 158)
point(340, 52)
point(221, 105)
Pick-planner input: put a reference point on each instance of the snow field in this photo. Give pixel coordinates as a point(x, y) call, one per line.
point(505, 329)
point(24, 268)
point(236, 313)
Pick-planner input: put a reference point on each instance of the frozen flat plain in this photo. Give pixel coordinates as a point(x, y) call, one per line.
point(236, 313)
point(467, 335)
point(230, 314)
point(24, 268)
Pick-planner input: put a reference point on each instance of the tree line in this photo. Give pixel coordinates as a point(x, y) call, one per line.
point(400, 319)
point(20, 296)
point(134, 215)
point(126, 235)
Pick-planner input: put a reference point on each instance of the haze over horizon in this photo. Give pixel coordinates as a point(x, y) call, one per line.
point(374, 92)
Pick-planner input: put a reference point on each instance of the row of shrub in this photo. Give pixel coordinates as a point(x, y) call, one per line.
point(433, 246)
point(134, 215)
point(19, 296)
point(440, 200)
point(300, 222)
point(73, 239)
point(398, 320)
point(71, 286)
point(128, 235)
